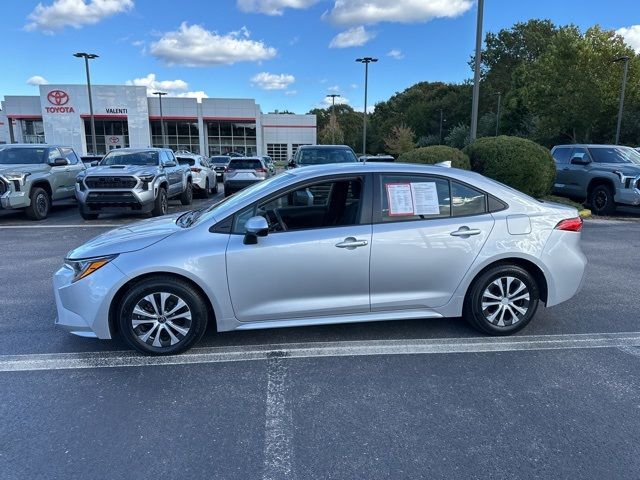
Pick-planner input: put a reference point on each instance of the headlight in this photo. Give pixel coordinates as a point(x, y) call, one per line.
point(146, 180)
point(19, 177)
point(85, 267)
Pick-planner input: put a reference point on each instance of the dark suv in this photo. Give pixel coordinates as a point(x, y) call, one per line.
point(603, 175)
point(322, 154)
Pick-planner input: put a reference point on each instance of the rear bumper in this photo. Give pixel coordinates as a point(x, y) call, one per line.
point(240, 184)
point(566, 265)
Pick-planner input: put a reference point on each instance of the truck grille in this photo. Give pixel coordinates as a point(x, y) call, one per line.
point(97, 200)
point(111, 182)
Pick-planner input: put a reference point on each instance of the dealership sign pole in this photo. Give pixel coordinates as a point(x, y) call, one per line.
point(164, 142)
point(87, 57)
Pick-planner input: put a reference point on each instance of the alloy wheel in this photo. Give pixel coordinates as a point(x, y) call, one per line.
point(41, 204)
point(165, 204)
point(600, 199)
point(161, 319)
point(505, 301)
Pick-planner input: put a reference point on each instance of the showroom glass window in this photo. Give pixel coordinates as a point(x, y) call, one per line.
point(225, 137)
point(32, 131)
point(105, 129)
point(180, 135)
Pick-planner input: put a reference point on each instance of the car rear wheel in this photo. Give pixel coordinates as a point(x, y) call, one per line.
point(214, 190)
point(162, 316)
point(227, 192)
point(88, 216)
point(161, 205)
point(502, 301)
point(207, 190)
point(601, 200)
point(187, 196)
point(40, 204)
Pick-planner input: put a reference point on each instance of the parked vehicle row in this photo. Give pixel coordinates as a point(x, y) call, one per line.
point(205, 180)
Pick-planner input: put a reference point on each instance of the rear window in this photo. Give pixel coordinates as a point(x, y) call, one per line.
point(245, 164)
point(22, 156)
point(186, 161)
point(320, 156)
point(219, 159)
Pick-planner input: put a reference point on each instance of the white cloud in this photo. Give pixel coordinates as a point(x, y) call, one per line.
point(334, 88)
point(273, 7)
point(74, 13)
point(631, 36)
point(137, 43)
point(291, 92)
point(369, 12)
point(198, 95)
point(194, 46)
point(37, 80)
point(395, 53)
point(354, 37)
point(272, 81)
point(353, 86)
point(153, 85)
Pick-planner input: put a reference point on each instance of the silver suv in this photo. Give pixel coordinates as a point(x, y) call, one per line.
point(32, 176)
point(603, 175)
point(137, 179)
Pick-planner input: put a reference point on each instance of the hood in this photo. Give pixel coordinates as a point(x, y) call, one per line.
point(627, 169)
point(123, 170)
point(21, 167)
point(128, 239)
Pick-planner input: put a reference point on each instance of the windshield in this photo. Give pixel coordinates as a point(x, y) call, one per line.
point(149, 157)
point(320, 156)
point(23, 156)
point(239, 198)
point(615, 155)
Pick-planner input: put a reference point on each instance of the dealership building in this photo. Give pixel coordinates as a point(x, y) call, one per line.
point(125, 117)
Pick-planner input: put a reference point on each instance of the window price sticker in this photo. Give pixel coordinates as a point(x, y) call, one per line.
point(406, 199)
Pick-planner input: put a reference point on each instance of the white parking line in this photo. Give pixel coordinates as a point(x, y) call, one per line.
point(93, 225)
point(62, 361)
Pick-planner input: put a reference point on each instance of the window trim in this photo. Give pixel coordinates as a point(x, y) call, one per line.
point(377, 199)
point(366, 207)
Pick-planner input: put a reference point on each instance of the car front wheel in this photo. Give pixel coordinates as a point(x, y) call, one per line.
point(40, 204)
point(502, 301)
point(162, 316)
point(161, 205)
point(187, 196)
point(601, 200)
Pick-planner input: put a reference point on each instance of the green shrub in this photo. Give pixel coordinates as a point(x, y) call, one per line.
point(435, 154)
point(517, 162)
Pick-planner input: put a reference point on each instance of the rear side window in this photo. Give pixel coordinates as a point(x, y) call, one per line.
point(466, 201)
point(245, 164)
point(562, 154)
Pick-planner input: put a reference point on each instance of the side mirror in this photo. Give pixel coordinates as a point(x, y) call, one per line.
point(291, 164)
point(59, 162)
point(580, 160)
point(95, 163)
point(169, 163)
point(254, 228)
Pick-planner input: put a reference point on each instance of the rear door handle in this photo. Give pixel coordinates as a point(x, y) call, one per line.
point(351, 242)
point(465, 232)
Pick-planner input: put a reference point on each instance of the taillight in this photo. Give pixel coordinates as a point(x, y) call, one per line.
point(570, 225)
point(227, 169)
point(197, 170)
point(261, 170)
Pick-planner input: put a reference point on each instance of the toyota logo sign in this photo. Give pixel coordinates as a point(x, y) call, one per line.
point(114, 140)
point(58, 97)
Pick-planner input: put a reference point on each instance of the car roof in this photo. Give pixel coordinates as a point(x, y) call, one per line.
point(32, 145)
point(138, 149)
point(246, 158)
point(590, 145)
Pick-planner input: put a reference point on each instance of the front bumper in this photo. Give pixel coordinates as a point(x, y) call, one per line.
point(108, 200)
point(10, 198)
point(627, 196)
point(83, 306)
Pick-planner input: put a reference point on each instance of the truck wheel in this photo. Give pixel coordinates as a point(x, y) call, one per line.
point(88, 216)
point(206, 191)
point(215, 189)
point(161, 205)
point(601, 200)
point(40, 204)
point(187, 196)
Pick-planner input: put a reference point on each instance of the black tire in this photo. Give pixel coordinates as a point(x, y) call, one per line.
point(207, 190)
point(40, 204)
point(161, 204)
point(88, 216)
point(215, 189)
point(480, 314)
point(186, 197)
point(601, 200)
point(195, 324)
point(227, 192)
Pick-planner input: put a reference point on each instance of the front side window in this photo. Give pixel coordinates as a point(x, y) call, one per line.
point(53, 154)
point(70, 155)
point(334, 203)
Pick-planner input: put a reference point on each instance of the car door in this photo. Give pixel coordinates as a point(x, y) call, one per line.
point(74, 168)
point(61, 179)
point(576, 176)
point(561, 157)
point(173, 171)
point(427, 232)
point(316, 266)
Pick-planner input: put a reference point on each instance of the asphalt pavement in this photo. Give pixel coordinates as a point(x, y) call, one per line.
point(407, 399)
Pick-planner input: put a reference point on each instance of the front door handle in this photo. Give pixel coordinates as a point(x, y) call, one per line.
point(351, 242)
point(465, 232)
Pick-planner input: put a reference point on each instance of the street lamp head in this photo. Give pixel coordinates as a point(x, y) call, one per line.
point(89, 56)
point(160, 93)
point(366, 60)
point(624, 58)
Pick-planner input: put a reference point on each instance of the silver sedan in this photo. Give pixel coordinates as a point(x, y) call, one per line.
point(329, 244)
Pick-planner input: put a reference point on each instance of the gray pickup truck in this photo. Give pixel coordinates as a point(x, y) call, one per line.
point(135, 179)
point(32, 176)
point(602, 175)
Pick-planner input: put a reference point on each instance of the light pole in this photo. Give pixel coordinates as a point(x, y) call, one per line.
point(87, 57)
point(366, 61)
point(164, 139)
point(499, 94)
point(476, 75)
point(333, 116)
point(624, 59)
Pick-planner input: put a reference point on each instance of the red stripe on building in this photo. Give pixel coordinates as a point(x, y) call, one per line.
point(164, 117)
point(229, 119)
point(25, 117)
point(290, 126)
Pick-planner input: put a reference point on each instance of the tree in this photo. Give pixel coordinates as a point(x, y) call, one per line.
point(459, 136)
point(331, 134)
point(399, 140)
point(347, 118)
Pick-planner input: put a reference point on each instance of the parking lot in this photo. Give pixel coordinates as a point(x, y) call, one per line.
point(409, 399)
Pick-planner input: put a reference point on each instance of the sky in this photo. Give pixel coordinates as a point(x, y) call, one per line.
point(287, 54)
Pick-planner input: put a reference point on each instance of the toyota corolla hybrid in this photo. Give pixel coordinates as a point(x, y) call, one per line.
point(329, 244)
